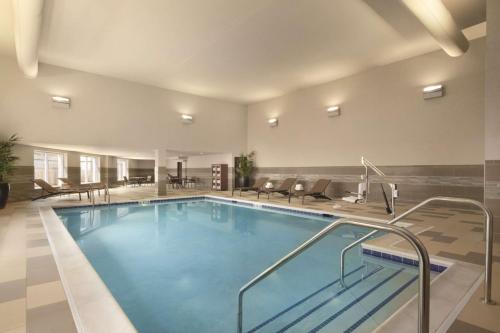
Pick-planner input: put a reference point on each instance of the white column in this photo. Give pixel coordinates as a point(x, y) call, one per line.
point(161, 171)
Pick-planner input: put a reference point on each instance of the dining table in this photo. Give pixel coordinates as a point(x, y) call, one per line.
point(138, 179)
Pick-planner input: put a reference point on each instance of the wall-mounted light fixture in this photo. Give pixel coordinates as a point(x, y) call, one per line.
point(333, 111)
point(187, 119)
point(433, 91)
point(273, 122)
point(61, 102)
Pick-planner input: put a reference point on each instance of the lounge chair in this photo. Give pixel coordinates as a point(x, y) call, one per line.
point(317, 191)
point(257, 186)
point(68, 184)
point(285, 188)
point(149, 180)
point(52, 191)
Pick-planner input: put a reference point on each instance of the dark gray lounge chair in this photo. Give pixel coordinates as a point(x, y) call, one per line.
point(68, 184)
point(256, 187)
point(285, 188)
point(50, 191)
point(317, 191)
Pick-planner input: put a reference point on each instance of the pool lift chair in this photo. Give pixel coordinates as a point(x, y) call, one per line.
point(364, 189)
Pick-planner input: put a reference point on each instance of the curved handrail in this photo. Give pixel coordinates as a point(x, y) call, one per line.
point(488, 235)
point(423, 256)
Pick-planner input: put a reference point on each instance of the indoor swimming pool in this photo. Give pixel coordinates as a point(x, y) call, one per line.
point(176, 266)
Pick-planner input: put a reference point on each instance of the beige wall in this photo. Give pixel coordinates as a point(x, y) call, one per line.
point(492, 115)
point(139, 117)
point(203, 161)
point(384, 117)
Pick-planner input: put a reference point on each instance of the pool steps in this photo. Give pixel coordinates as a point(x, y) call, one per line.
point(363, 300)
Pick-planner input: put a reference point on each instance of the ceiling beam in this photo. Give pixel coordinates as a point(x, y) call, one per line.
point(27, 26)
point(440, 23)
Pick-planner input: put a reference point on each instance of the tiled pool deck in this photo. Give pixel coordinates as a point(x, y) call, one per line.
point(32, 298)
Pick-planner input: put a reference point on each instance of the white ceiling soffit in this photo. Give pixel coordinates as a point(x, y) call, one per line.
point(138, 154)
point(440, 23)
point(27, 25)
point(182, 153)
point(238, 50)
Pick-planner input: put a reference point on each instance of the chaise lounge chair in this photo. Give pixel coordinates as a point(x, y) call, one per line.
point(317, 191)
point(285, 188)
point(52, 191)
point(257, 186)
point(68, 184)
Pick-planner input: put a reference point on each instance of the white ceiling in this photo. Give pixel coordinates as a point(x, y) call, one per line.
point(238, 50)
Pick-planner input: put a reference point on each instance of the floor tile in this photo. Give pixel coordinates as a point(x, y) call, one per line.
point(13, 314)
point(37, 242)
point(463, 327)
point(41, 270)
point(53, 318)
point(12, 290)
point(38, 251)
point(44, 294)
point(13, 268)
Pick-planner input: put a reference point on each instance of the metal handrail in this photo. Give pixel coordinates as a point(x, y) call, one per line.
point(92, 195)
point(488, 236)
point(106, 194)
point(424, 267)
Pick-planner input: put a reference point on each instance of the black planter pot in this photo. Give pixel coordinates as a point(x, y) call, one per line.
point(244, 181)
point(4, 194)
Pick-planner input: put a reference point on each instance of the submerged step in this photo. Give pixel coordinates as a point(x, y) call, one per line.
point(355, 301)
point(311, 310)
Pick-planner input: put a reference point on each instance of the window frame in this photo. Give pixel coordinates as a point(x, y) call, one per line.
point(126, 173)
point(96, 169)
point(62, 166)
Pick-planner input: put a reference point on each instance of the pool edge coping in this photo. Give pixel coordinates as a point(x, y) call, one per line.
point(59, 238)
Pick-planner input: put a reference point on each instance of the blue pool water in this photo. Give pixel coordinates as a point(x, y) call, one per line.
point(177, 267)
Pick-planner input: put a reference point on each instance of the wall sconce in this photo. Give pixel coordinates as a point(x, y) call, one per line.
point(333, 111)
point(436, 90)
point(61, 102)
point(273, 122)
point(187, 119)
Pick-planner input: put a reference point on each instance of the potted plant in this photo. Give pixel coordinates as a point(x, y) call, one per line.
point(7, 160)
point(244, 168)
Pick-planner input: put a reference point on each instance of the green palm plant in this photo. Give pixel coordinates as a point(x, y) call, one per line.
point(7, 157)
point(245, 164)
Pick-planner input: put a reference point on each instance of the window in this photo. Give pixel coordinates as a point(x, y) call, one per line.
point(49, 166)
point(121, 168)
point(89, 169)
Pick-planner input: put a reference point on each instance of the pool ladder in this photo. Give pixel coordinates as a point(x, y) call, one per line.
point(107, 196)
point(423, 256)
